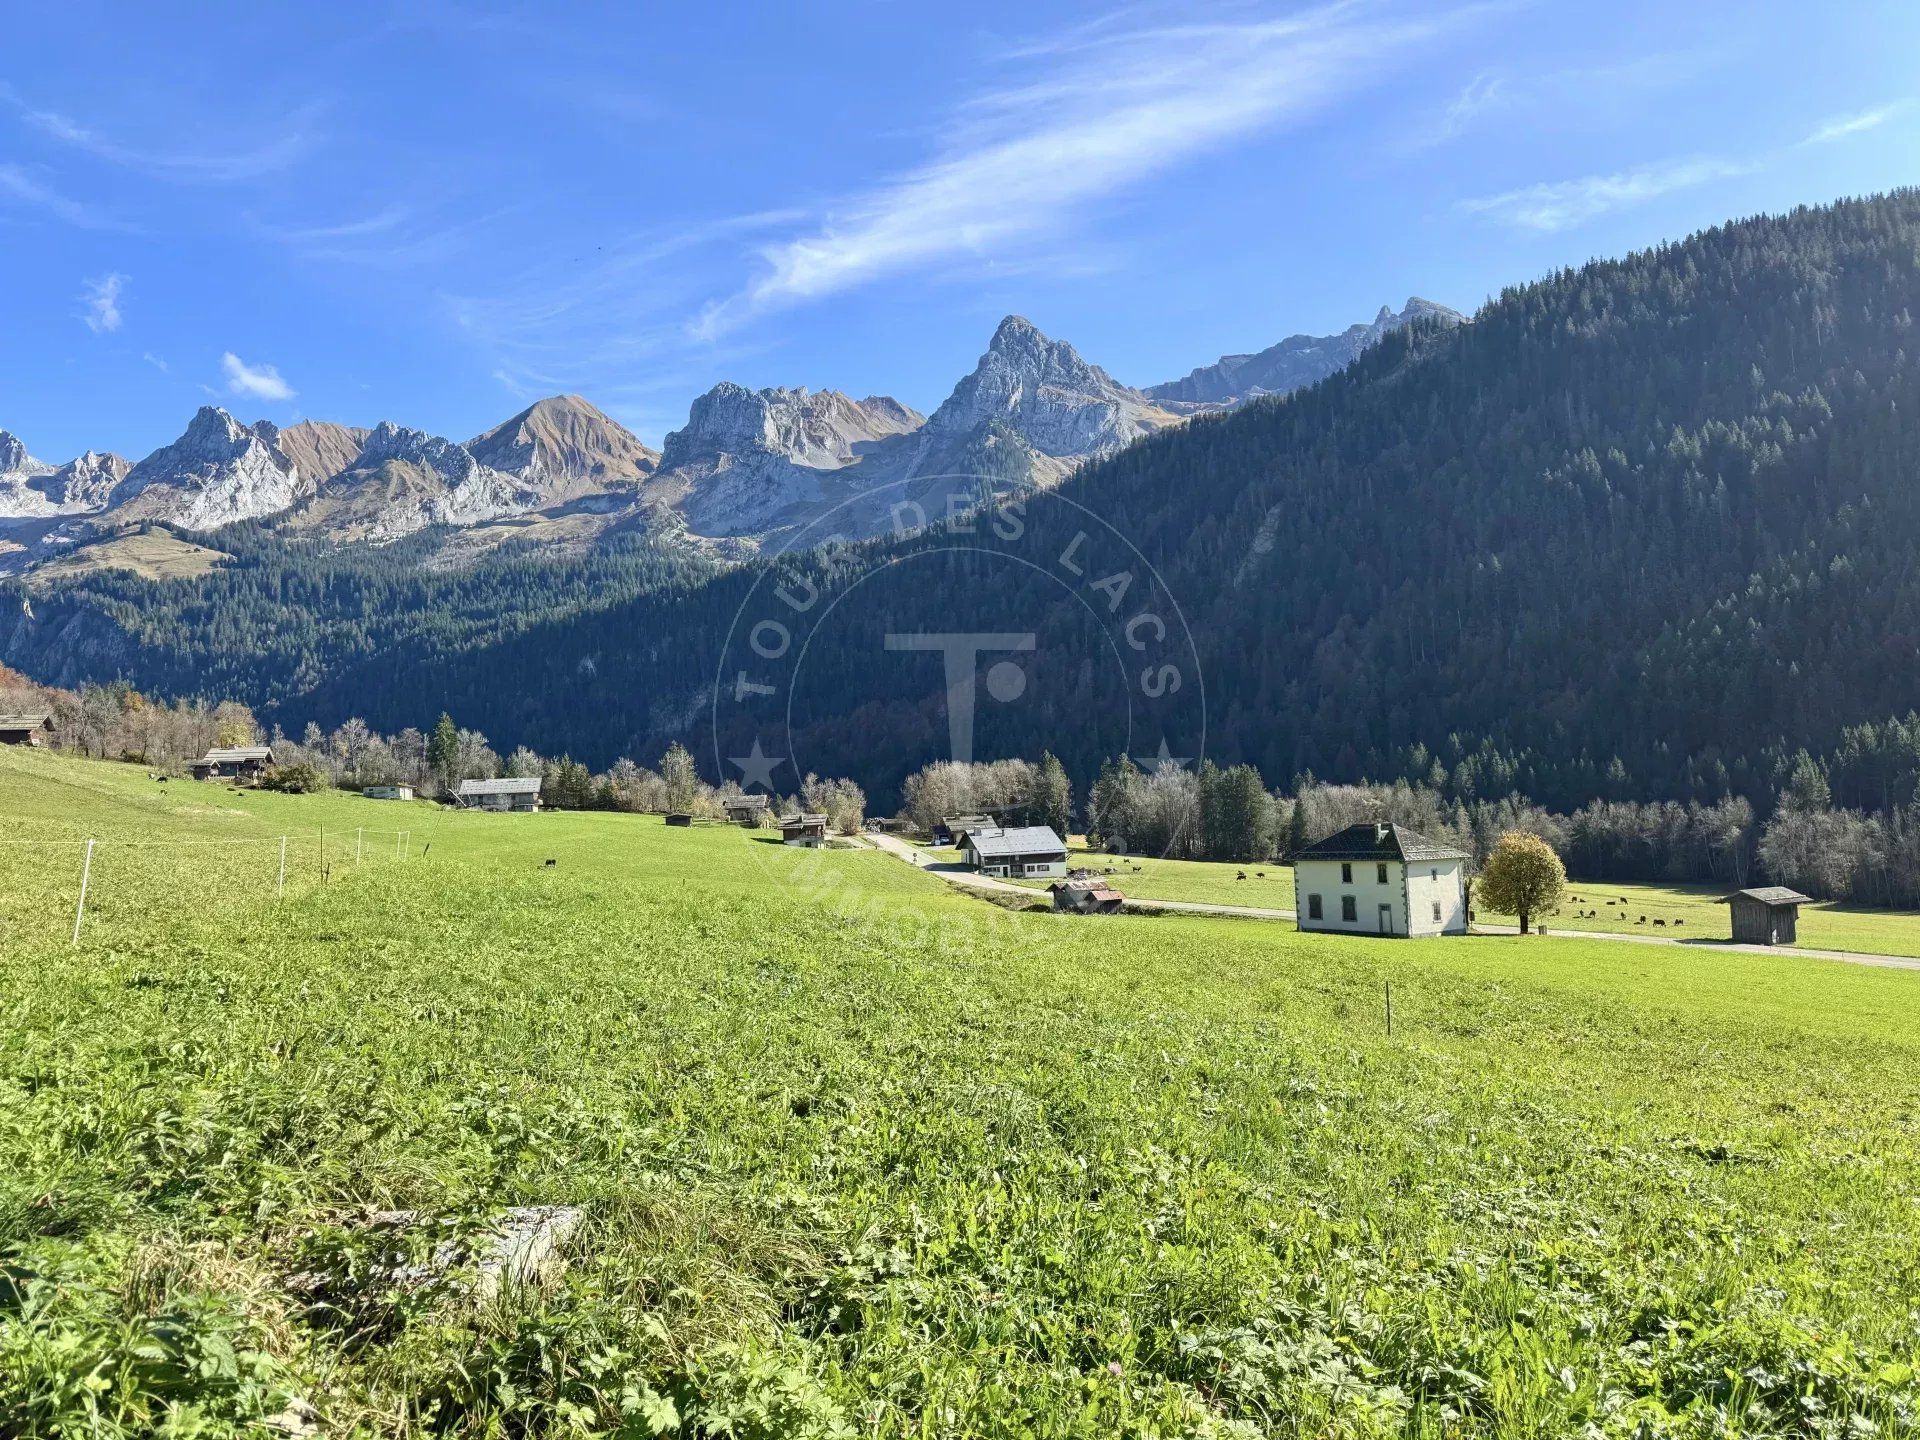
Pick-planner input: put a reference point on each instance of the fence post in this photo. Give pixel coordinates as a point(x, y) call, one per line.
point(86, 874)
point(358, 835)
point(280, 885)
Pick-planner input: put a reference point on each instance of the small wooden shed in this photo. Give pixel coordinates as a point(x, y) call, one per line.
point(1086, 894)
point(1769, 915)
point(808, 830)
point(28, 729)
point(746, 810)
point(680, 819)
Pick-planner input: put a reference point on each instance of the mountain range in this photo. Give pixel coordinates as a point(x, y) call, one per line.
point(750, 470)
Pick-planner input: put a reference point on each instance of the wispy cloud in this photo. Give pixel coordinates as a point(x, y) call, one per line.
point(261, 382)
point(392, 238)
point(1589, 88)
point(101, 297)
point(1565, 203)
point(1841, 126)
point(156, 361)
point(1106, 106)
point(23, 188)
point(297, 134)
point(1562, 204)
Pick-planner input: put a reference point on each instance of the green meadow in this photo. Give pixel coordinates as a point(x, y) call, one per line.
point(859, 1154)
point(1268, 885)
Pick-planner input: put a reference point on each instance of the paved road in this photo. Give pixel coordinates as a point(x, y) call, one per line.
point(1852, 957)
point(968, 880)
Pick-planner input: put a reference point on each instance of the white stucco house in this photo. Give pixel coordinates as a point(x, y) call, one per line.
point(1381, 879)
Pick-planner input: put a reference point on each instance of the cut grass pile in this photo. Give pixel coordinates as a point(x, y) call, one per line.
point(858, 1154)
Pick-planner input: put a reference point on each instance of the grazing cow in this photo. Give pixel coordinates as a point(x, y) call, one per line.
point(1241, 876)
point(1641, 921)
point(1660, 922)
point(551, 863)
point(1679, 922)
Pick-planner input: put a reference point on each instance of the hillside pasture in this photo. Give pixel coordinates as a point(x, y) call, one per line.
point(860, 1154)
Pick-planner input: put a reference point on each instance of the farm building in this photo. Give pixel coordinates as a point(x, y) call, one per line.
point(1086, 895)
point(746, 809)
point(521, 793)
point(1769, 915)
point(29, 729)
point(388, 792)
point(953, 829)
point(680, 820)
point(1032, 851)
point(237, 762)
point(1381, 879)
point(808, 830)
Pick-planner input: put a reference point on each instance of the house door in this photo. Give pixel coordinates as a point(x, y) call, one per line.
point(1386, 919)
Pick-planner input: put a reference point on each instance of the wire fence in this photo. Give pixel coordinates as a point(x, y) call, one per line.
point(99, 888)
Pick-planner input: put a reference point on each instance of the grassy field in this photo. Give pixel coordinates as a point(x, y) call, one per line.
point(1267, 886)
point(860, 1155)
point(1694, 912)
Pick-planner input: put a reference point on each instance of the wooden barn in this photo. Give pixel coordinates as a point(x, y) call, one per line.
point(518, 794)
point(746, 809)
point(32, 728)
point(244, 763)
point(1086, 895)
point(808, 830)
point(954, 828)
point(1768, 915)
point(680, 820)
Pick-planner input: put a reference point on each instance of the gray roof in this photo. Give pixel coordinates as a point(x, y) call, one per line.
point(1372, 840)
point(512, 785)
point(746, 802)
point(30, 720)
point(794, 822)
point(1769, 895)
point(1027, 840)
point(229, 754)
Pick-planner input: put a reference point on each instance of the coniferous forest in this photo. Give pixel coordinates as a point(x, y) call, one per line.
point(1643, 530)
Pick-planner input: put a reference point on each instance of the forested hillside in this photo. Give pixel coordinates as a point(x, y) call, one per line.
point(1642, 529)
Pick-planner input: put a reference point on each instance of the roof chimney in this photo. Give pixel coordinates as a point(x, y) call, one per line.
point(1380, 832)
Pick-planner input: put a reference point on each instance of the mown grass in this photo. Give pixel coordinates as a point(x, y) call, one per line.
point(1267, 886)
point(1694, 912)
point(861, 1155)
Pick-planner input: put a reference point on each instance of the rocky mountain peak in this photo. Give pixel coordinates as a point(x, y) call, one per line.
point(1045, 391)
point(14, 459)
point(217, 472)
point(817, 428)
point(565, 445)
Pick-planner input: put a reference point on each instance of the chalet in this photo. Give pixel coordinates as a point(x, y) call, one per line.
point(514, 793)
point(1769, 915)
point(245, 763)
point(28, 729)
point(953, 829)
point(388, 792)
point(1086, 895)
point(746, 809)
point(1031, 851)
point(1377, 878)
point(808, 830)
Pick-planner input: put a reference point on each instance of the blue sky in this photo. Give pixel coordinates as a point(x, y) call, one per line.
point(434, 212)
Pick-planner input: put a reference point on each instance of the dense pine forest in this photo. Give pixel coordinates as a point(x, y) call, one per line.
point(1643, 530)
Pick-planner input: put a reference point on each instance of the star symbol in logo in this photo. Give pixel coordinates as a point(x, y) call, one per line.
point(1165, 763)
point(756, 767)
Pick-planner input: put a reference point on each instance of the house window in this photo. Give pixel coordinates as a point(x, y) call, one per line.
point(1346, 874)
point(1436, 912)
point(1313, 907)
point(1349, 908)
point(1382, 869)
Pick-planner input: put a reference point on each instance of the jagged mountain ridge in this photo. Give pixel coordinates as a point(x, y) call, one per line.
point(751, 469)
point(1293, 364)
